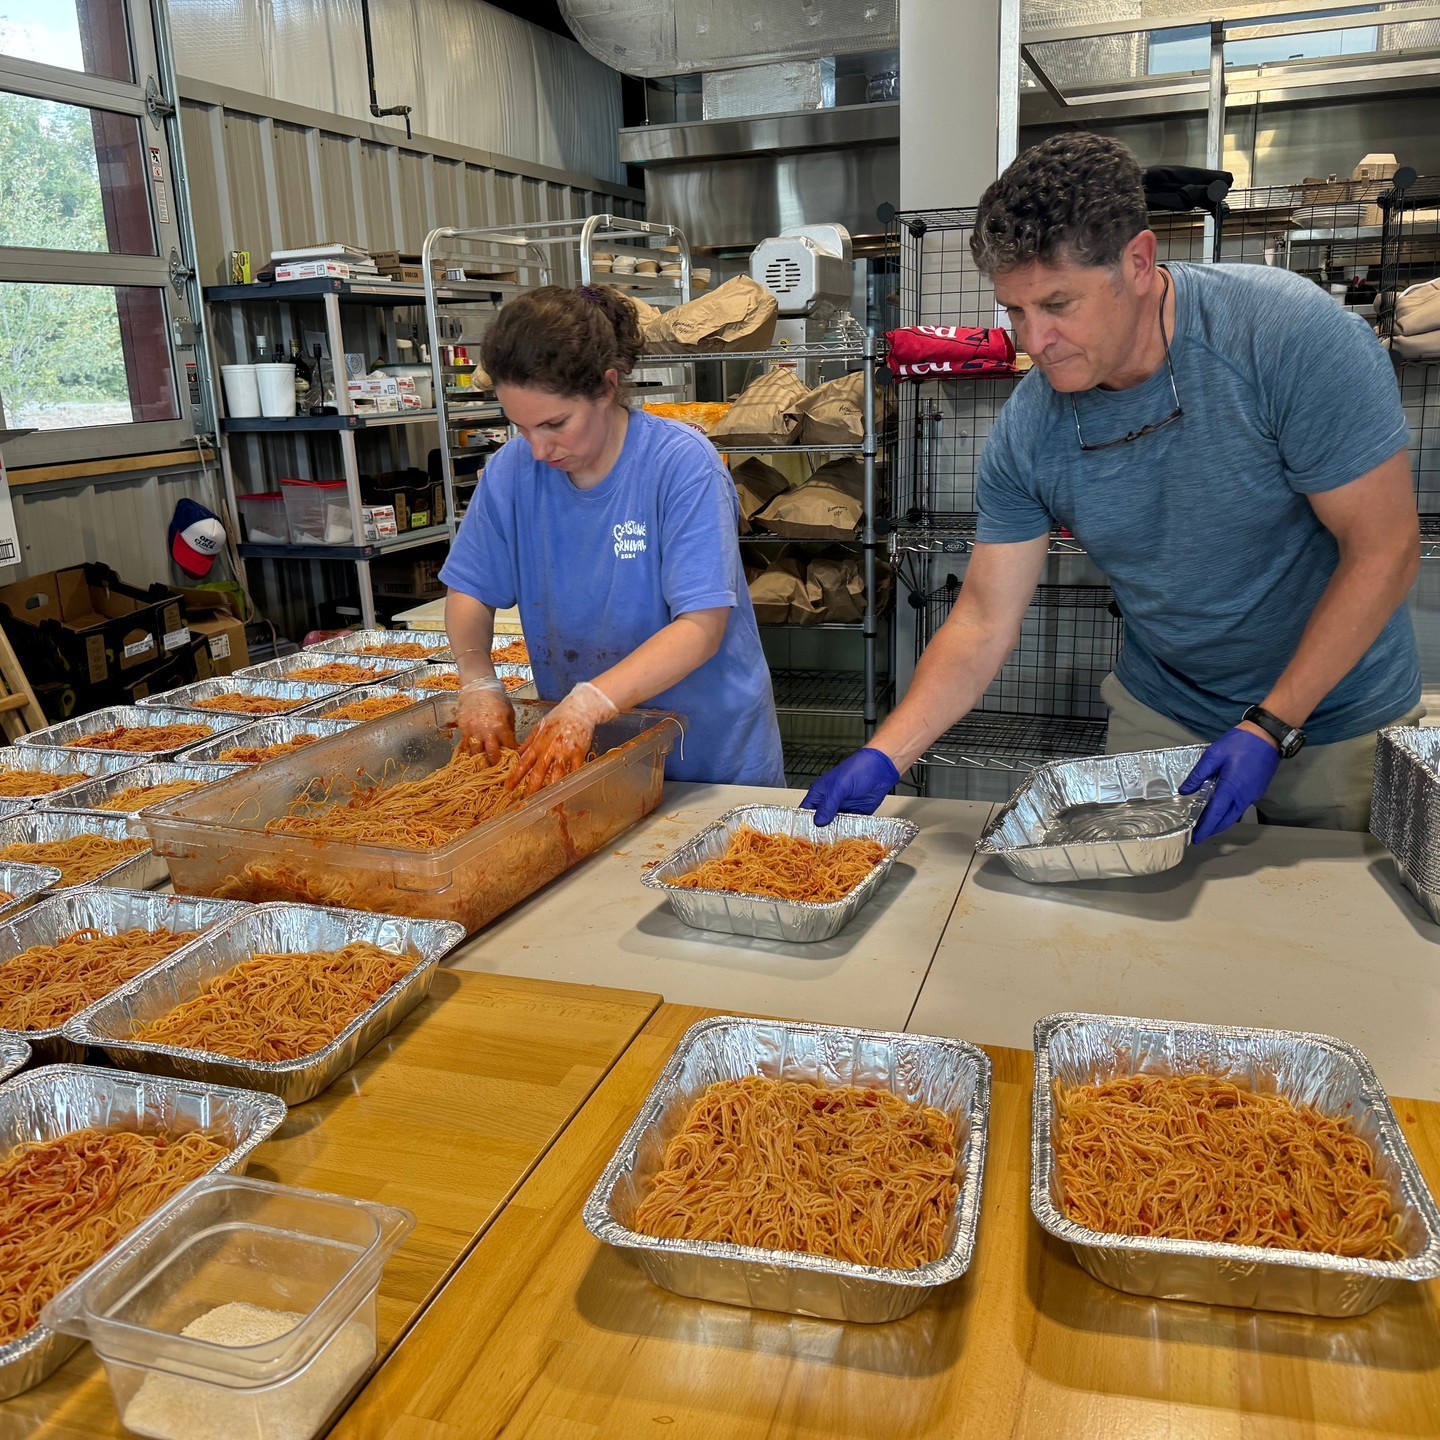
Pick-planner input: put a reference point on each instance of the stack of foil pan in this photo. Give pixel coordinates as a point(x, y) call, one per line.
point(262, 930)
point(436, 643)
point(376, 670)
point(1100, 818)
point(1405, 808)
point(1310, 1069)
point(87, 764)
point(55, 1100)
point(796, 921)
point(112, 912)
point(155, 713)
point(300, 695)
point(950, 1075)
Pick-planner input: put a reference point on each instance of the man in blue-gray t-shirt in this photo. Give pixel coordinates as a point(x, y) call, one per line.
point(1228, 445)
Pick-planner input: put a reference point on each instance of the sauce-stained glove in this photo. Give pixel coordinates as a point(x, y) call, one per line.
point(487, 718)
point(561, 741)
point(856, 785)
point(1242, 765)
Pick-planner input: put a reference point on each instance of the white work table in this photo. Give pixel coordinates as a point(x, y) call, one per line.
point(1268, 925)
point(598, 925)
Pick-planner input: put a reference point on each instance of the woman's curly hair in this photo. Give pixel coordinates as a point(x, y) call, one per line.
point(1076, 198)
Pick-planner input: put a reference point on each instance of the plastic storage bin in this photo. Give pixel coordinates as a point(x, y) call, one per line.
point(276, 1287)
point(318, 512)
point(265, 518)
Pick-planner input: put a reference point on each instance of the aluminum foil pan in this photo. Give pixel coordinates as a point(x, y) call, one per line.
point(94, 907)
point(951, 1075)
point(24, 884)
point(157, 711)
point(1428, 896)
point(1100, 818)
point(137, 872)
point(302, 695)
point(14, 1055)
point(377, 669)
point(327, 708)
point(1314, 1069)
point(273, 730)
point(56, 1099)
point(266, 929)
point(795, 921)
point(436, 643)
point(1405, 806)
point(91, 796)
point(84, 763)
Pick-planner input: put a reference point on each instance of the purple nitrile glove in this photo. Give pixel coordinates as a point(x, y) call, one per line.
point(1242, 765)
point(856, 785)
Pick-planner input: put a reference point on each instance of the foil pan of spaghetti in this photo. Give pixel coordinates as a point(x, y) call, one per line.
point(352, 643)
point(85, 765)
point(262, 733)
point(96, 796)
point(24, 884)
point(1101, 818)
point(360, 693)
point(1317, 1070)
point(1405, 808)
point(14, 1055)
point(950, 1075)
point(375, 669)
point(519, 680)
point(300, 695)
point(266, 929)
point(136, 872)
point(53, 1101)
point(794, 921)
point(157, 712)
point(97, 908)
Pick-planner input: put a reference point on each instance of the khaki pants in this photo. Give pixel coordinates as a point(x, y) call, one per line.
point(1324, 786)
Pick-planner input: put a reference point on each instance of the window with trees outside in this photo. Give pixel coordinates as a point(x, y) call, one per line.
point(96, 354)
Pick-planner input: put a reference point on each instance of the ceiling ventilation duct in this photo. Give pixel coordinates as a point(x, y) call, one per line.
point(655, 38)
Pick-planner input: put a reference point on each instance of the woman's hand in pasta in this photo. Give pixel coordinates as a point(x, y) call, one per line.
point(561, 741)
point(487, 718)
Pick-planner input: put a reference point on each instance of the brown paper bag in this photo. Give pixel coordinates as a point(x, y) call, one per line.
point(740, 315)
point(761, 414)
point(782, 595)
point(757, 484)
point(833, 413)
point(840, 576)
point(828, 506)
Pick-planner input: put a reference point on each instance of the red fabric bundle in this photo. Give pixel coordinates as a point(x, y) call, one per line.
point(920, 351)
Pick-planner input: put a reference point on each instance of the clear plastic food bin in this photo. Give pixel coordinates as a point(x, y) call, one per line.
point(266, 522)
point(318, 512)
point(242, 1310)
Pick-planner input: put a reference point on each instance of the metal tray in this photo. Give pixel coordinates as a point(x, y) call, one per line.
point(379, 670)
point(157, 712)
point(1128, 803)
point(327, 708)
point(796, 921)
point(138, 872)
point(91, 796)
point(951, 1075)
point(436, 642)
point(1314, 1069)
point(270, 731)
point(85, 763)
point(186, 697)
point(266, 929)
point(25, 884)
point(99, 908)
point(57, 1099)
point(14, 1055)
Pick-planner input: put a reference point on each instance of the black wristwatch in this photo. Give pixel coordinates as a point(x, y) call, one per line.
point(1289, 738)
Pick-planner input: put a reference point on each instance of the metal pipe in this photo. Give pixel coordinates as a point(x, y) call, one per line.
point(375, 107)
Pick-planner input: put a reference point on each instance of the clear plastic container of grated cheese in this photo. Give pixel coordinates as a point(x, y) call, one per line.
point(242, 1310)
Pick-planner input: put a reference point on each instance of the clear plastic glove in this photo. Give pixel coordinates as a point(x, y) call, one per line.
point(487, 718)
point(561, 741)
point(856, 785)
point(1243, 765)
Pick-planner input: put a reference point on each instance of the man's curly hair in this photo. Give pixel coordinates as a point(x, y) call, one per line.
point(1075, 198)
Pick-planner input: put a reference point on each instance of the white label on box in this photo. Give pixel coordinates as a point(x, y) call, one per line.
point(219, 647)
point(174, 639)
point(140, 647)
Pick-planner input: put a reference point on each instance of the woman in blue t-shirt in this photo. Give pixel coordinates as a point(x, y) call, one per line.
point(614, 532)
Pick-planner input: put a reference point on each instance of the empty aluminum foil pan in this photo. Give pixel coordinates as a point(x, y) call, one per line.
point(1405, 808)
point(1311, 1069)
point(1099, 818)
point(797, 921)
point(951, 1075)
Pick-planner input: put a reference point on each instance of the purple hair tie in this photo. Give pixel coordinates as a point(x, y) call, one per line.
point(589, 294)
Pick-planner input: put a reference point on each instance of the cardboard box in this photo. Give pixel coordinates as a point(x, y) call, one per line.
point(85, 626)
point(312, 270)
point(406, 274)
point(401, 579)
point(220, 633)
point(379, 521)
